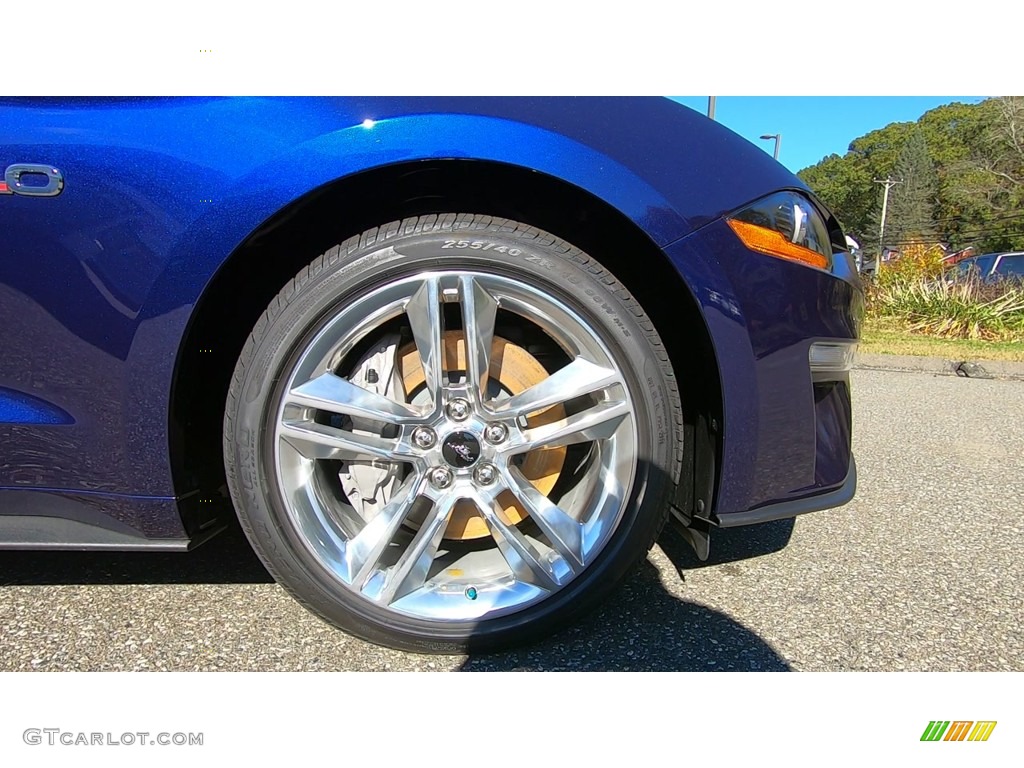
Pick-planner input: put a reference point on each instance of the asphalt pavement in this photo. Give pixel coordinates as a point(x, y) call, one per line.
point(924, 570)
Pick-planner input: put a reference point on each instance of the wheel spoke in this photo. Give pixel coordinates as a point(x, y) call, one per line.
point(413, 567)
point(603, 518)
point(330, 392)
point(363, 552)
point(580, 377)
point(597, 423)
point(478, 312)
point(562, 530)
point(318, 441)
point(528, 564)
point(424, 313)
point(393, 515)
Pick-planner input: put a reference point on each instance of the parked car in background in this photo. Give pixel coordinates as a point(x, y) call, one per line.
point(452, 363)
point(991, 267)
point(954, 258)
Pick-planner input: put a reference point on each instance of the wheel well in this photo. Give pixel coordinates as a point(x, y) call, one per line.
point(253, 274)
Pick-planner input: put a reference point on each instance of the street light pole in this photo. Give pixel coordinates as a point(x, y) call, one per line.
point(711, 106)
point(778, 141)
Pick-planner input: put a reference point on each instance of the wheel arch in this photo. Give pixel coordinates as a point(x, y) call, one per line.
point(254, 272)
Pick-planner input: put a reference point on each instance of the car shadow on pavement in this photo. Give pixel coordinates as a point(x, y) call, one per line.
point(728, 545)
point(645, 628)
point(226, 559)
point(642, 627)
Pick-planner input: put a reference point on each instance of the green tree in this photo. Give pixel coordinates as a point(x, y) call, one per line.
point(846, 185)
point(976, 187)
point(951, 131)
point(989, 183)
point(842, 184)
point(911, 202)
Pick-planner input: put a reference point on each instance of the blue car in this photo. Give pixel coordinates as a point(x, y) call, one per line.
point(452, 364)
point(991, 267)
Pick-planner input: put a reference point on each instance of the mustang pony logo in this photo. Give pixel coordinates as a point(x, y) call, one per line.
point(463, 451)
point(41, 181)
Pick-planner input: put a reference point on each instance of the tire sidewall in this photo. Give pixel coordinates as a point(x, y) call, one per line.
point(545, 263)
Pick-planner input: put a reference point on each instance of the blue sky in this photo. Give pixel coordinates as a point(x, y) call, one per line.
point(814, 126)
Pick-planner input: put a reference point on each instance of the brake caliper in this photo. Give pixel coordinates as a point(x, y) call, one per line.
point(369, 484)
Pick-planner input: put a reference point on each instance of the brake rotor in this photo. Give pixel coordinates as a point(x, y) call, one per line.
point(515, 370)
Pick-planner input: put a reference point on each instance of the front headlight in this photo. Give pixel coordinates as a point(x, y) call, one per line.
point(786, 225)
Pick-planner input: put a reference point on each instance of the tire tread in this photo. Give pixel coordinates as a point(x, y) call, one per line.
point(340, 254)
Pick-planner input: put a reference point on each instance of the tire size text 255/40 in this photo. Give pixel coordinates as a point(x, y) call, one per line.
point(478, 245)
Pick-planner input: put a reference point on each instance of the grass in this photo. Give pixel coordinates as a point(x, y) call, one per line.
point(892, 336)
point(963, 309)
point(913, 308)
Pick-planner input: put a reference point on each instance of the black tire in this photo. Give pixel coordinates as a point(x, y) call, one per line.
point(386, 254)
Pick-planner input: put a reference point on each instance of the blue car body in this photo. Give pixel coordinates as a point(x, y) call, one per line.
point(112, 292)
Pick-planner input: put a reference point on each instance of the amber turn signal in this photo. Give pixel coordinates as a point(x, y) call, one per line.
point(773, 243)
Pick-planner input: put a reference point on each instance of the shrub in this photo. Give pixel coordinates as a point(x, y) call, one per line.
point(967, 308)
point(915, 263)
point(914, 289)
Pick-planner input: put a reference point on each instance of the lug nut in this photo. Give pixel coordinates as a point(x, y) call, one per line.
point(495, 433)
point(458, 409)
point(424, 437)
point(485, 474)
point(440, 477)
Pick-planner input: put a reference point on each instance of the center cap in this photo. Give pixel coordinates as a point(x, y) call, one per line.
point(461, 449)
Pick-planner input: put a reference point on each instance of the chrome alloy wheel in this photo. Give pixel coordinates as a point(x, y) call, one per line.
point(461, 438)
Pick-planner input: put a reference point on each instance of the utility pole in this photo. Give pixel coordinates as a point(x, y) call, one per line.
point(711, 106)
point(889, 182)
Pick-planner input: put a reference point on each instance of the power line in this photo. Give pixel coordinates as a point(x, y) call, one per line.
point(1014, 215)
point(979, 231)
point(987, 227)
point(967, 218)
point(897, 244)
point(976, 235)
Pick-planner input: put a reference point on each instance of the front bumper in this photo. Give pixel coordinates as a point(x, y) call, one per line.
point(786, 440)
point(794, 507)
